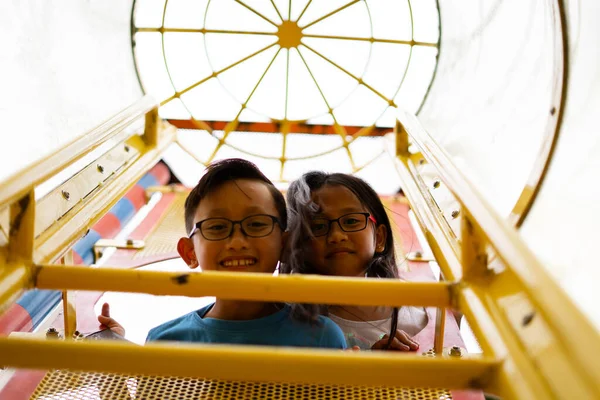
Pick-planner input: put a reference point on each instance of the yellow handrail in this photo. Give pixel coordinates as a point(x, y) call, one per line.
point(17, 185)
point(524, 285)
point(431, 222)
point(24, 249)
point(66, 231)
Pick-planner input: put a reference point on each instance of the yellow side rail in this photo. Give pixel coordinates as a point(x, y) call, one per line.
point(517, 312)
point(18, 185)
point(42, 231)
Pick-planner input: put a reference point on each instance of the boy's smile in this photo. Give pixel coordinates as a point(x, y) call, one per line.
point(240, 262)
point(235, 200)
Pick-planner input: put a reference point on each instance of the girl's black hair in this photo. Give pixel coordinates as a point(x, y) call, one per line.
point(301, 209)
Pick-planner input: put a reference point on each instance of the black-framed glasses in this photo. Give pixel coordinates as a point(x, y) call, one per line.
point(221, 228)
point(352, 222)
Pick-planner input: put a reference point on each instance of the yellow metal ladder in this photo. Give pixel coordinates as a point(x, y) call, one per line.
point(536, 343)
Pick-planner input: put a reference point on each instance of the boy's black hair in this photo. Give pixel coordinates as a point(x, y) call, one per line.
point(231, 169)
point(301, 209)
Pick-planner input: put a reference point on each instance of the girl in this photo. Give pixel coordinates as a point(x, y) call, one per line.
point(338, 226)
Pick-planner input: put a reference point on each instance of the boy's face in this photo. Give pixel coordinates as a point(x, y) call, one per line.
point(235, 201)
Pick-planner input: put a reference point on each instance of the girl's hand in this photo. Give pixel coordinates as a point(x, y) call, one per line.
point(402, 342)
point(108, 322)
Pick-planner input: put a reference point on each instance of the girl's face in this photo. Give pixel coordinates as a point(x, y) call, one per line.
point(338, 252)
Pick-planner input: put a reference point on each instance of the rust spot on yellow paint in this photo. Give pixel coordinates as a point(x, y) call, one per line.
point(16, 222)
point(181, 279)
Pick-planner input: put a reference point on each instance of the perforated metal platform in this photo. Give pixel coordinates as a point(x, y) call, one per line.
point(93, 386)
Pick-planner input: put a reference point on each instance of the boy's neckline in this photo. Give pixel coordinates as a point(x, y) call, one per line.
point(241, 311)
point(241, 325)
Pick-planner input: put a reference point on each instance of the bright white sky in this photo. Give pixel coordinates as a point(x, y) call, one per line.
point(316, 81)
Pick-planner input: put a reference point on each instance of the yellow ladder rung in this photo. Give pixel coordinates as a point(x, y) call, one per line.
point(252, 363)
point(249, 286)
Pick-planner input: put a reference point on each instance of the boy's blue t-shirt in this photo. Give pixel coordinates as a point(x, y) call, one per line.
point(277, 329)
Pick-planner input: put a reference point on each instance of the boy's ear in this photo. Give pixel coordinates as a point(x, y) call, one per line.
point(380, 238)
point(185, 248)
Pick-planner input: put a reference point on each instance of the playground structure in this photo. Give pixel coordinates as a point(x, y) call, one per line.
point(539, 338)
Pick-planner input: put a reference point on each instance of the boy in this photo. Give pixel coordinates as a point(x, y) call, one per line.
point(236, 221)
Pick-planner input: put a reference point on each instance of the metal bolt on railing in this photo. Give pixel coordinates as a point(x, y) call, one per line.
point(52, 333)
point(455, 351)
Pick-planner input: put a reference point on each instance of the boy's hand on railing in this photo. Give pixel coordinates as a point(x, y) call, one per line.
point(402, 342)
point(108, 322)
